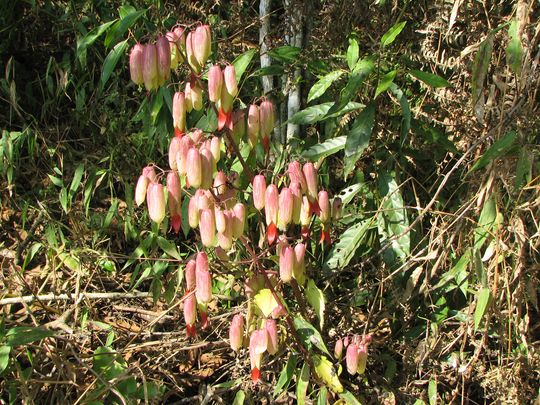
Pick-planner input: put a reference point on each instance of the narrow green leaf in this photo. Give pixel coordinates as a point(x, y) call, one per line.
point(286, 374)
point(349, 241)
point(23, 335)
point(320, 87)
point(322, 398)
point(461, 267)
point(56, 181)
point(77, 176)
point(482, 302)
point(349, 398)
point(63, 198)
point(405, 111)
point(309, 335)
point(111, 60)
point(430, 79)
point(87, 40)
point(302, 384)
point(4, 357)
point(499, 148)
point(514, 50)
point(432, 392)
point(168, 247)
point(120, 27)
point(480, 68)
point(392, 33)
point(285, 53)
point(358, 137)
point(242, 62)
point(523, 168)
point(486, 223)
point(320, 112)
point(327, 148)
point(353, 52)
point(385, 83)
point(272, 70)
point(362, 70)
point(315, 298)
point(239, 398)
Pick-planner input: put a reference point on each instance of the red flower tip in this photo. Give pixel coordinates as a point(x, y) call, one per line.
point(176, 222)
point(315, 209)
point(325, 237)
point(305, 233)
point(271, 233)
point(255, 375)
point(178, 133)
point(224, 119)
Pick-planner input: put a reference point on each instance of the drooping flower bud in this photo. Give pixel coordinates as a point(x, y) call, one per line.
point(273, 340)
point(194, 167)
point(258, 344)
point(155, 200)
point(201, 43)
point(175, 200)
point(196, 96)
point(136, 63)
point(285, 211)
point(207, 168)
point(351, 358)
point(164, 59)
point(338, 349)
point(299, 269)
point(215, 147)
point(190, 275)
point(324, 206)
point(215, 82)
point(175, 53)
point(225, 238)
point(362, 357)
point(194, 214)
point(225, 109)
point(179, 32)
point(207, 227)
point(286, 263)
point(337, 206)
point(205, 200)
point(271, 201)
point(186, 143)
point(305, 212)
point(221, 222)
point(187, 96)
point(220, 183)
point(310, 174)
point(203, 279)
point(190, 53)
point(253, 125)
point(297, 202)
point(150, 67)
point(296, 175)
point(239, 220)
point(266, 111)
point(229, 74)
point(140, 189)
point(236, 332)
point(190, 315)
point(150, 174)
point(259, 191)
point(179, 113)
point(174, 150)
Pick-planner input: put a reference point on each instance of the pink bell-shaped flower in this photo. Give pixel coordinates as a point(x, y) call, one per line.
point(229, 75)
point(150, 67)
point(236, 332)
point(324, 206)
point(239, 220)
point(253, 124)
point(258, 344)
point(297, 201)
point(190, 275)
point(296, 175)
point(266, 111)
point(194, 167)
point(286, 263)
point(201, 43)
point(174, 150)
point(207, 227)
point(338, 349)
point(259, 191)
point(220, 183)
point(174, 191)
point(204, 286)
point(215, 82)
point(215, 147)
point(225, 238)
point(164, 59)
point(140, 189)
point(207, 168)
point(136, 64)
point(285, 210)
point(190, 315)
point(186, 143)
point(273, 340)
point(179, 113)
point(155, 200)
point(310, 174)
point(299, 269)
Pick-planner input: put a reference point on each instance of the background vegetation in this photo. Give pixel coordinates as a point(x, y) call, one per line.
point(433, 146)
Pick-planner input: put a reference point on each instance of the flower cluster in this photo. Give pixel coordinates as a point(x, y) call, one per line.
point(356, 352)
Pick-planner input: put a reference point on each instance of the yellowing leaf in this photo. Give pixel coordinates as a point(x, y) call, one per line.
point(266, 302)
point(327, 373)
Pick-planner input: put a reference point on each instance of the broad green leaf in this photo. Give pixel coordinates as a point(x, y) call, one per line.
point(353, 52)
point(343, 251)
point(480, 68)
point(23, 335)
point(514, 51)
point(327, 148)
point(405, 111)
point(168, 247)
point(266, 302)
point(393, 220)
point(286, 374)
point(315, 298)
point(239, 398)
point(285, 53)
point(320, 87)
point(348, 193)
point(302, 384)
point(385, 82)
point(358, 138)
point(499, 148)
point(111, 60)
point(58, 182)
point(482, 303)
point(242, 62)
point(362, 69)
point(70, 261)
point(456, 273)
point(349, 398)
point(120, 27)
point(392, 33)
point(309, 335)
point(272, 70)
point(486, 223)
point(319, 112)
point(324, 369)
point(432, 392)
point(87, 40)
point(77, 176)
point(430, 79)
point(4, 357)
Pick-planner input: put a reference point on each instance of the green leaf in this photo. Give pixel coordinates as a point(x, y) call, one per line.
point(459, 273)
point(486, 223)
point(320, 112)
point(120, 27)
point(405, 111)
point(315, 298)
point(523, 168)
point(77, 176)
point(430, 79)
point(242, 62)
point(272, 70)
point(168, 247)
point(239, 398)
point(4, 357)
point(285, 53)
point(482, 303)
point(87, 40)
point(349, 398)
point(392, 33)
point(63, 198)
point(393, 220)
point(353, 52)
point(309, 335)
point(362, 69)
point(480, 68)
point(348, 193)
point(327, 148)
point(358, 138)
point(499, 148)
point(23, 335)
point(326, 372)
point(302, 384)
point(514, 51)
point(385, 83)
point(320, 87)
point(432, 392)
point(111, 60)
point(286, 374)
point(58, 182)
point(343, 251)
